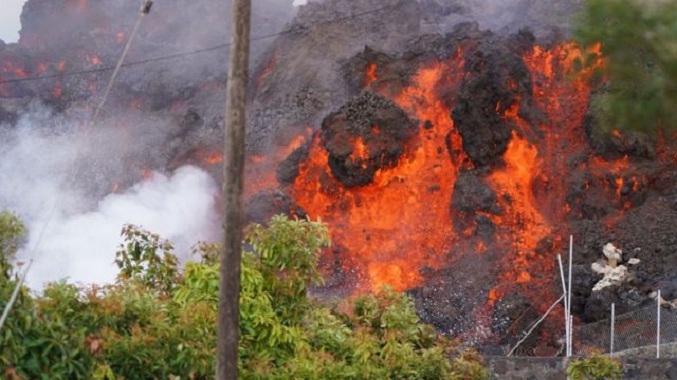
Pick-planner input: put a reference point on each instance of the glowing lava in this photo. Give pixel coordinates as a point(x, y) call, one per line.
point(399, 223)
point(371, 74)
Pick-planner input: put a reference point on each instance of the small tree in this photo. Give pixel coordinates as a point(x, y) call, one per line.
point(157, 322)
point(639, 41)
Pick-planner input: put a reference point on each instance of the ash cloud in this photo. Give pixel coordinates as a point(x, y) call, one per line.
point(73, 229)
point(502, 16)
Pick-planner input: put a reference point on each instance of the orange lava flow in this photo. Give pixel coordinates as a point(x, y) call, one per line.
point(399, 223)
point(521, 216)
point(260, 170)
point(561, 90)
point(57, 91)
point(209, 158)
point(360, 151)
point(8, 67)
point(266, 71)
point(370, 75)
point(532, 188)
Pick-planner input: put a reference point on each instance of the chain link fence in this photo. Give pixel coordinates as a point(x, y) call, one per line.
point(631, 330)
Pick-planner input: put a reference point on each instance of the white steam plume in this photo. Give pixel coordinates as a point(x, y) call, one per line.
point(37, 167)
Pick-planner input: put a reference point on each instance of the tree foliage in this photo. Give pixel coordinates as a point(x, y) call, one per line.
point(639, 41)
point(158, 320)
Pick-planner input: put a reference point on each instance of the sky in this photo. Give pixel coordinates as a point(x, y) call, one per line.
point(9, 20)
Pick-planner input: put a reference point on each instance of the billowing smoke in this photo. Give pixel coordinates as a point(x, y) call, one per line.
point(76, 185)
point(73, 232)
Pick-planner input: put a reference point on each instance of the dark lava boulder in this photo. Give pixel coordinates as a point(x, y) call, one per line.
point(365, 135)
point(626, 297)
point(473, 194)
point(472, 198)
point(497, 80)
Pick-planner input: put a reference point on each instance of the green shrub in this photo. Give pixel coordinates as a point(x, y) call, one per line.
point(595, 367)
point(158, 322)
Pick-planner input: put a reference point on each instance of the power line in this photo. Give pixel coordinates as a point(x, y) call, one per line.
point(199, 51)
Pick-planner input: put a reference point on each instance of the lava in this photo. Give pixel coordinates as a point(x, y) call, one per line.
point(400, 222)
point(260, 169)
point(371, 74)
point(94, 59)
point(514, 187)
point(266, 71)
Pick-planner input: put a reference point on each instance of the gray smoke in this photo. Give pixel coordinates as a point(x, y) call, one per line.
point(502, 16)
point(73, 233)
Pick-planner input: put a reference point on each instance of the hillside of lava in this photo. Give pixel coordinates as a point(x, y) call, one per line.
point(453, 166)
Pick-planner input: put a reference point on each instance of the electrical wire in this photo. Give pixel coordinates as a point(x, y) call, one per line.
point(145, 9)
point(198, 51)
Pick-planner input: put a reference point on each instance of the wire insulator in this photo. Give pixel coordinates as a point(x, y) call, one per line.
point(145, 7)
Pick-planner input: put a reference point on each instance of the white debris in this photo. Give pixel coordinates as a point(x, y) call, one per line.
point(664, 303)
point(613, 254)
point(613, 273)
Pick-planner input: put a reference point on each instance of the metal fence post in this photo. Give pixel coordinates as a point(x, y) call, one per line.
point(571, 336)
point(571, 322)
point(658, 325)
point(566, 304)
point(613, 327)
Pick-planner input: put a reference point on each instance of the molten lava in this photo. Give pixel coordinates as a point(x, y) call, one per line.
point(266, 71)
point(370, 75)
point(399, 223)
point(524, 224)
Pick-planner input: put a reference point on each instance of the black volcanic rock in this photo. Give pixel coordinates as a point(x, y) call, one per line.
point(307, 82)
point(288, 169)
point(473, 194)
point(626, 298)
point(378, 124)
point(497, 80)
point(619, 143)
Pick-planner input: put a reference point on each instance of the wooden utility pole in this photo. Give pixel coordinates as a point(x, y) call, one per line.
point(233, 168)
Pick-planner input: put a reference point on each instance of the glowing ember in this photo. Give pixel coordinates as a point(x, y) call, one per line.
point(18, 71)
point(209, 158)
point(360, 152)
point(147, 174)
point(94, 59)
point(370, 75)
point(57, 91)
point(266, 71)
